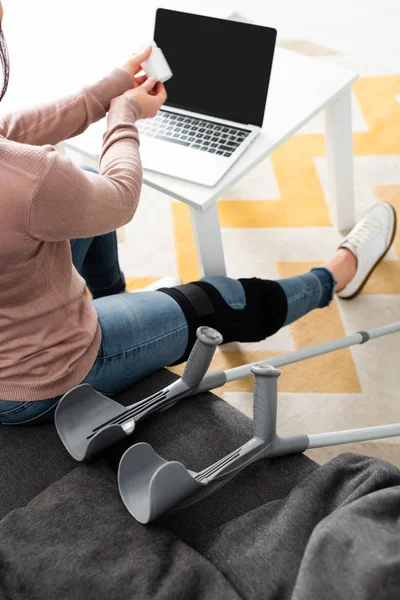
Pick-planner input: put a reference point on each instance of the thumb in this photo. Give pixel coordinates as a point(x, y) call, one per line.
point(133, 65)
point(141, 56)
point(149, 84)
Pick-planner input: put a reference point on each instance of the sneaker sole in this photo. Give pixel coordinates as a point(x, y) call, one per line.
point(365, 280)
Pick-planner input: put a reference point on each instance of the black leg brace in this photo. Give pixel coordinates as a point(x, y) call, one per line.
point(202, 304)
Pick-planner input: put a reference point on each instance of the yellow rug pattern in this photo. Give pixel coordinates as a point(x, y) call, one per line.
point(302, 204)
point(286, 233)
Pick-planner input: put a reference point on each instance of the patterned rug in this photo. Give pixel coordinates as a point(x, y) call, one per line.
point(276, 223)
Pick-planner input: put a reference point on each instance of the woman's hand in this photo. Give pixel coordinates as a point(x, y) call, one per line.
point(149, 93)
point(132, 66)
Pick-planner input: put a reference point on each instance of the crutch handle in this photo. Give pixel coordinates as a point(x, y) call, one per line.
point(265, 401)
point(201, 356)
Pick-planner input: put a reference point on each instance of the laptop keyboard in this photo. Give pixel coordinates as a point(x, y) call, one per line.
point(198, 134)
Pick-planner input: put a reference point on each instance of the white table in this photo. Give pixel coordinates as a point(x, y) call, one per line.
point(300, 87)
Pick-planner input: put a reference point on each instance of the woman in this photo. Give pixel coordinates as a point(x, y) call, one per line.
point(58, 227)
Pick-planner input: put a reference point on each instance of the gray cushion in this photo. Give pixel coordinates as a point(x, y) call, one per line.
point(75, 538)
point(283, 529)
point(197, 431)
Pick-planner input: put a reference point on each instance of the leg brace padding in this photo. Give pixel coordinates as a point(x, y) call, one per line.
point(202, 304)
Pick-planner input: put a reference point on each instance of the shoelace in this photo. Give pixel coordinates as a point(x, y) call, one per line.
point(362, 233)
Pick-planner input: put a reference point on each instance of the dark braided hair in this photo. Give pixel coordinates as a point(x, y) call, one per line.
point(5, 63)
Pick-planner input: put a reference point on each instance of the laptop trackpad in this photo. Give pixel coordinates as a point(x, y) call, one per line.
point(180, 161)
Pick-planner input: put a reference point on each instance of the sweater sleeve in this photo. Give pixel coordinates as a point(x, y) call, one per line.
point(60, 120)
point(71, 203)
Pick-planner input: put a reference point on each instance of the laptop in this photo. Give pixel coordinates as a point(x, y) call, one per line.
point(216, 97)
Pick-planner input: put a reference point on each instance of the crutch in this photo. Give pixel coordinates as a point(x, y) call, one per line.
point(88, 422)
point(150, 486)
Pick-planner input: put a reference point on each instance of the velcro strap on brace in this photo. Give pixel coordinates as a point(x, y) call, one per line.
point(202, 304)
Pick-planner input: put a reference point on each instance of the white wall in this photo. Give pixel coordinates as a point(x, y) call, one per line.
point(56, 45)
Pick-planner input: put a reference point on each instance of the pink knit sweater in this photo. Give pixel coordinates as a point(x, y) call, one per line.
point(49, 332)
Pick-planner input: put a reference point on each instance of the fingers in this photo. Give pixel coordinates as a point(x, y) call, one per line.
point(149, 84)
point(140, 57)
point(143, 54)
point(137, 69)
point(156, 91)
point(139, 80)
point(160, 92)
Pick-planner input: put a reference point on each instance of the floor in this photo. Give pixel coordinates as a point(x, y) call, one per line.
point(351, 388)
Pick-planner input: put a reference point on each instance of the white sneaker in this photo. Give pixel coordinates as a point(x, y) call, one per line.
point(160, 283)
point(369, 241)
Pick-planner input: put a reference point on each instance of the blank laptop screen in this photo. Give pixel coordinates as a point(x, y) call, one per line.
point(221, 68)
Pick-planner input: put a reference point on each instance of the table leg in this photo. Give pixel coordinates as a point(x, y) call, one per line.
point(207, 234)
point(339, 150)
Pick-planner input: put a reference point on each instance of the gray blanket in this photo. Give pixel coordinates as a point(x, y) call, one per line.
point(336, 535)
point(283, 529)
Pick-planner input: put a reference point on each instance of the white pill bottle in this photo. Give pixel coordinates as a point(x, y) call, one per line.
point(156, 65)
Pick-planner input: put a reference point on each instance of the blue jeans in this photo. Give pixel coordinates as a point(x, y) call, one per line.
point(145, 331)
